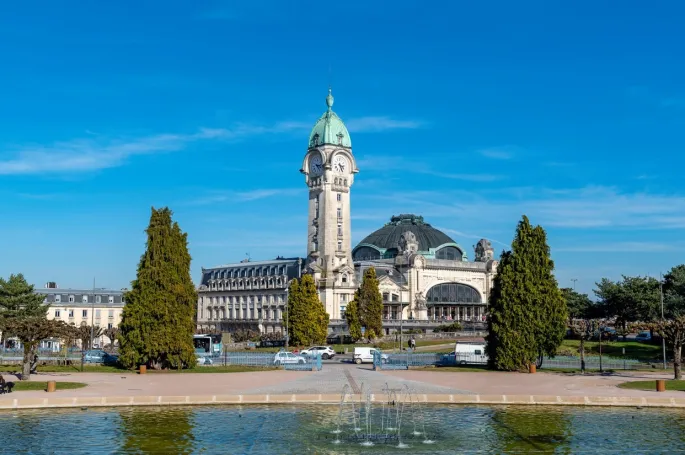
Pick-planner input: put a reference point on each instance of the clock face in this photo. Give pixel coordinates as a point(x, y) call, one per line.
point(315, 165)
point(340, 164)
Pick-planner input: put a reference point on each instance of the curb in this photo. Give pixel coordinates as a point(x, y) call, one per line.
point(329, 399)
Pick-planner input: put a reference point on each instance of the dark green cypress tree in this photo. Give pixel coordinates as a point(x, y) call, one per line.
point(527, 313)
point(308, 319)
point(370, 304)
point(352, 318)
point(158, 321)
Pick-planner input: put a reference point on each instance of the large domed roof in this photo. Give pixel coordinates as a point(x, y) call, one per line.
point(388, 237)
point(330, 129)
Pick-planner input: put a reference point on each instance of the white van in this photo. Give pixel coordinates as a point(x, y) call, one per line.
point(473, 353)
point(365, 355)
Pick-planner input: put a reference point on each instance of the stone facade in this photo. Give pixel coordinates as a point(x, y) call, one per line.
point(99, 307)
point(247, 295)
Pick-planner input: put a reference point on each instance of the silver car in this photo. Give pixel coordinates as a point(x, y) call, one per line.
point(283, 357)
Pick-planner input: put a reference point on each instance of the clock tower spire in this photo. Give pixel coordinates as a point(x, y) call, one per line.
point(329, 168)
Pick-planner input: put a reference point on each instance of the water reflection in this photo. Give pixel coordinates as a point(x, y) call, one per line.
point(527, 428)
point(157, 430)
point(307, 430)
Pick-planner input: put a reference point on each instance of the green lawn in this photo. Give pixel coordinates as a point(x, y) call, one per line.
point(22, 386)
point(651, 385)
point(634, 350)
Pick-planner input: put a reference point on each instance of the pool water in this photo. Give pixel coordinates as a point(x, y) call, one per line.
point(277, 429)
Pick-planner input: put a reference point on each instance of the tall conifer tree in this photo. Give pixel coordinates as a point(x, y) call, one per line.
point(370, 304)
point(308, 319)
point(352, 318)
point(527, 310)
point(158, 321)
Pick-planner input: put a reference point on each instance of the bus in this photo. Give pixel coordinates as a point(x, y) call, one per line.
point(208, 345)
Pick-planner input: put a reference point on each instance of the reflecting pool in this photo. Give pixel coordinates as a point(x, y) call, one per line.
point(278, 429)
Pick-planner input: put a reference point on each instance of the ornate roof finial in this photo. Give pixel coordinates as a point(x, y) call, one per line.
point(329, 99)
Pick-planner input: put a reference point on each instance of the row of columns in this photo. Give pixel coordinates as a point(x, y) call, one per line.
point(456, 313)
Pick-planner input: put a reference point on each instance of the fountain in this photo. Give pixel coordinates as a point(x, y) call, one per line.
point(365, 424)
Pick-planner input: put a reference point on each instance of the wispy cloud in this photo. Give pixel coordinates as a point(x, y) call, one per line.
point(88, 154)
point(504, 153)
point(469, 236)
point(419, 166)
point(378, 124)
point(592, 207)
point(649, 96)
point(245, 196)
point(624, 247)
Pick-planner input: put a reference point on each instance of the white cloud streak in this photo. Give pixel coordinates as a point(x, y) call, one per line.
point(623, 247)
point(497, 153)
point(103, 153)
point(379, 124)
point(419, 166)
point(246, 196)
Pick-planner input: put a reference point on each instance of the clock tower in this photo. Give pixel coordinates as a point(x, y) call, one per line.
point(329, 168)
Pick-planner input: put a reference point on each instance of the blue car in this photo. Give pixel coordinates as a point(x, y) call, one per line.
point(643, 336)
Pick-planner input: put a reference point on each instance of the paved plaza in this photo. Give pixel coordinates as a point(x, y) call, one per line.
point(333, 377)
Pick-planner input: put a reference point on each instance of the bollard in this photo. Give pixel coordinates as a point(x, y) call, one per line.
point(660, 385)
point(532, 368)
point(143, 369)
point(52, 386)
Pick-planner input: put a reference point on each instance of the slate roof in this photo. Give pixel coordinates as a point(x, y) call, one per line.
point(389, 235)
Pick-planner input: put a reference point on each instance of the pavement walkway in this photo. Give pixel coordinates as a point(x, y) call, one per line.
point(333, 377)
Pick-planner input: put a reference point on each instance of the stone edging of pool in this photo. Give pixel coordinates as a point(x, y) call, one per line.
point(74, 402)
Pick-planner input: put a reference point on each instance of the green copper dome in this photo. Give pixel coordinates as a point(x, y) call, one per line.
point(329, 129)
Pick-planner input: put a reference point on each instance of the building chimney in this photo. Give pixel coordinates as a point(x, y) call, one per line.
point(51, 285)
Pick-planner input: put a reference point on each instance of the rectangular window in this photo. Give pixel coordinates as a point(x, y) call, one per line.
point(339, 246)
point(98, 299)
point(71, 299)
point(110, 299)
point(84, 299)
point(339, 197)
point(71, 313)
point(110, 325)
point(58, 298)
point(111, 313)
point(57, 313)
point(342, 311)
point(339, 213)
point(340, 230)
point(97, 314)
point(84, 313)
point(385, 296)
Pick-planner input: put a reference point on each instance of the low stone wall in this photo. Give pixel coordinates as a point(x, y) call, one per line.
point(332, 399)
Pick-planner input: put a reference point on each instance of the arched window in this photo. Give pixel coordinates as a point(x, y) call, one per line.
point(452, 293)
point(449, 253)
point(366, 253)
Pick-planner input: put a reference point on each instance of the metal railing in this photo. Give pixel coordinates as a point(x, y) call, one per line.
point(266, 359)
point(404, 360)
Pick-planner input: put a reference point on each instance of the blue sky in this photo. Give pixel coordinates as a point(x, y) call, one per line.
point(470, 114)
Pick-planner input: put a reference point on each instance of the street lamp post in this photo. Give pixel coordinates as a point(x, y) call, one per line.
point(92, 316)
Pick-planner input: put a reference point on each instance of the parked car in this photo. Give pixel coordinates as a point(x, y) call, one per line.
point(643, 336)
point(608, 334)
point(110, 359)
point(204, 360)
point(283, 357)
point(365, 355)
point(326, 352)
point(94, 356)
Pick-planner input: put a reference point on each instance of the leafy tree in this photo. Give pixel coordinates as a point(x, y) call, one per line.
point(352, 317)
point(629, 300)
point(83, 334)
point(308, 320)
point(527, 310)
point(18, 299)
point(578, 305)
point(30, 331)
point(674, 292)
point(159, 317)
point(673, 330)
point(370, 304)
point(112, 334)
